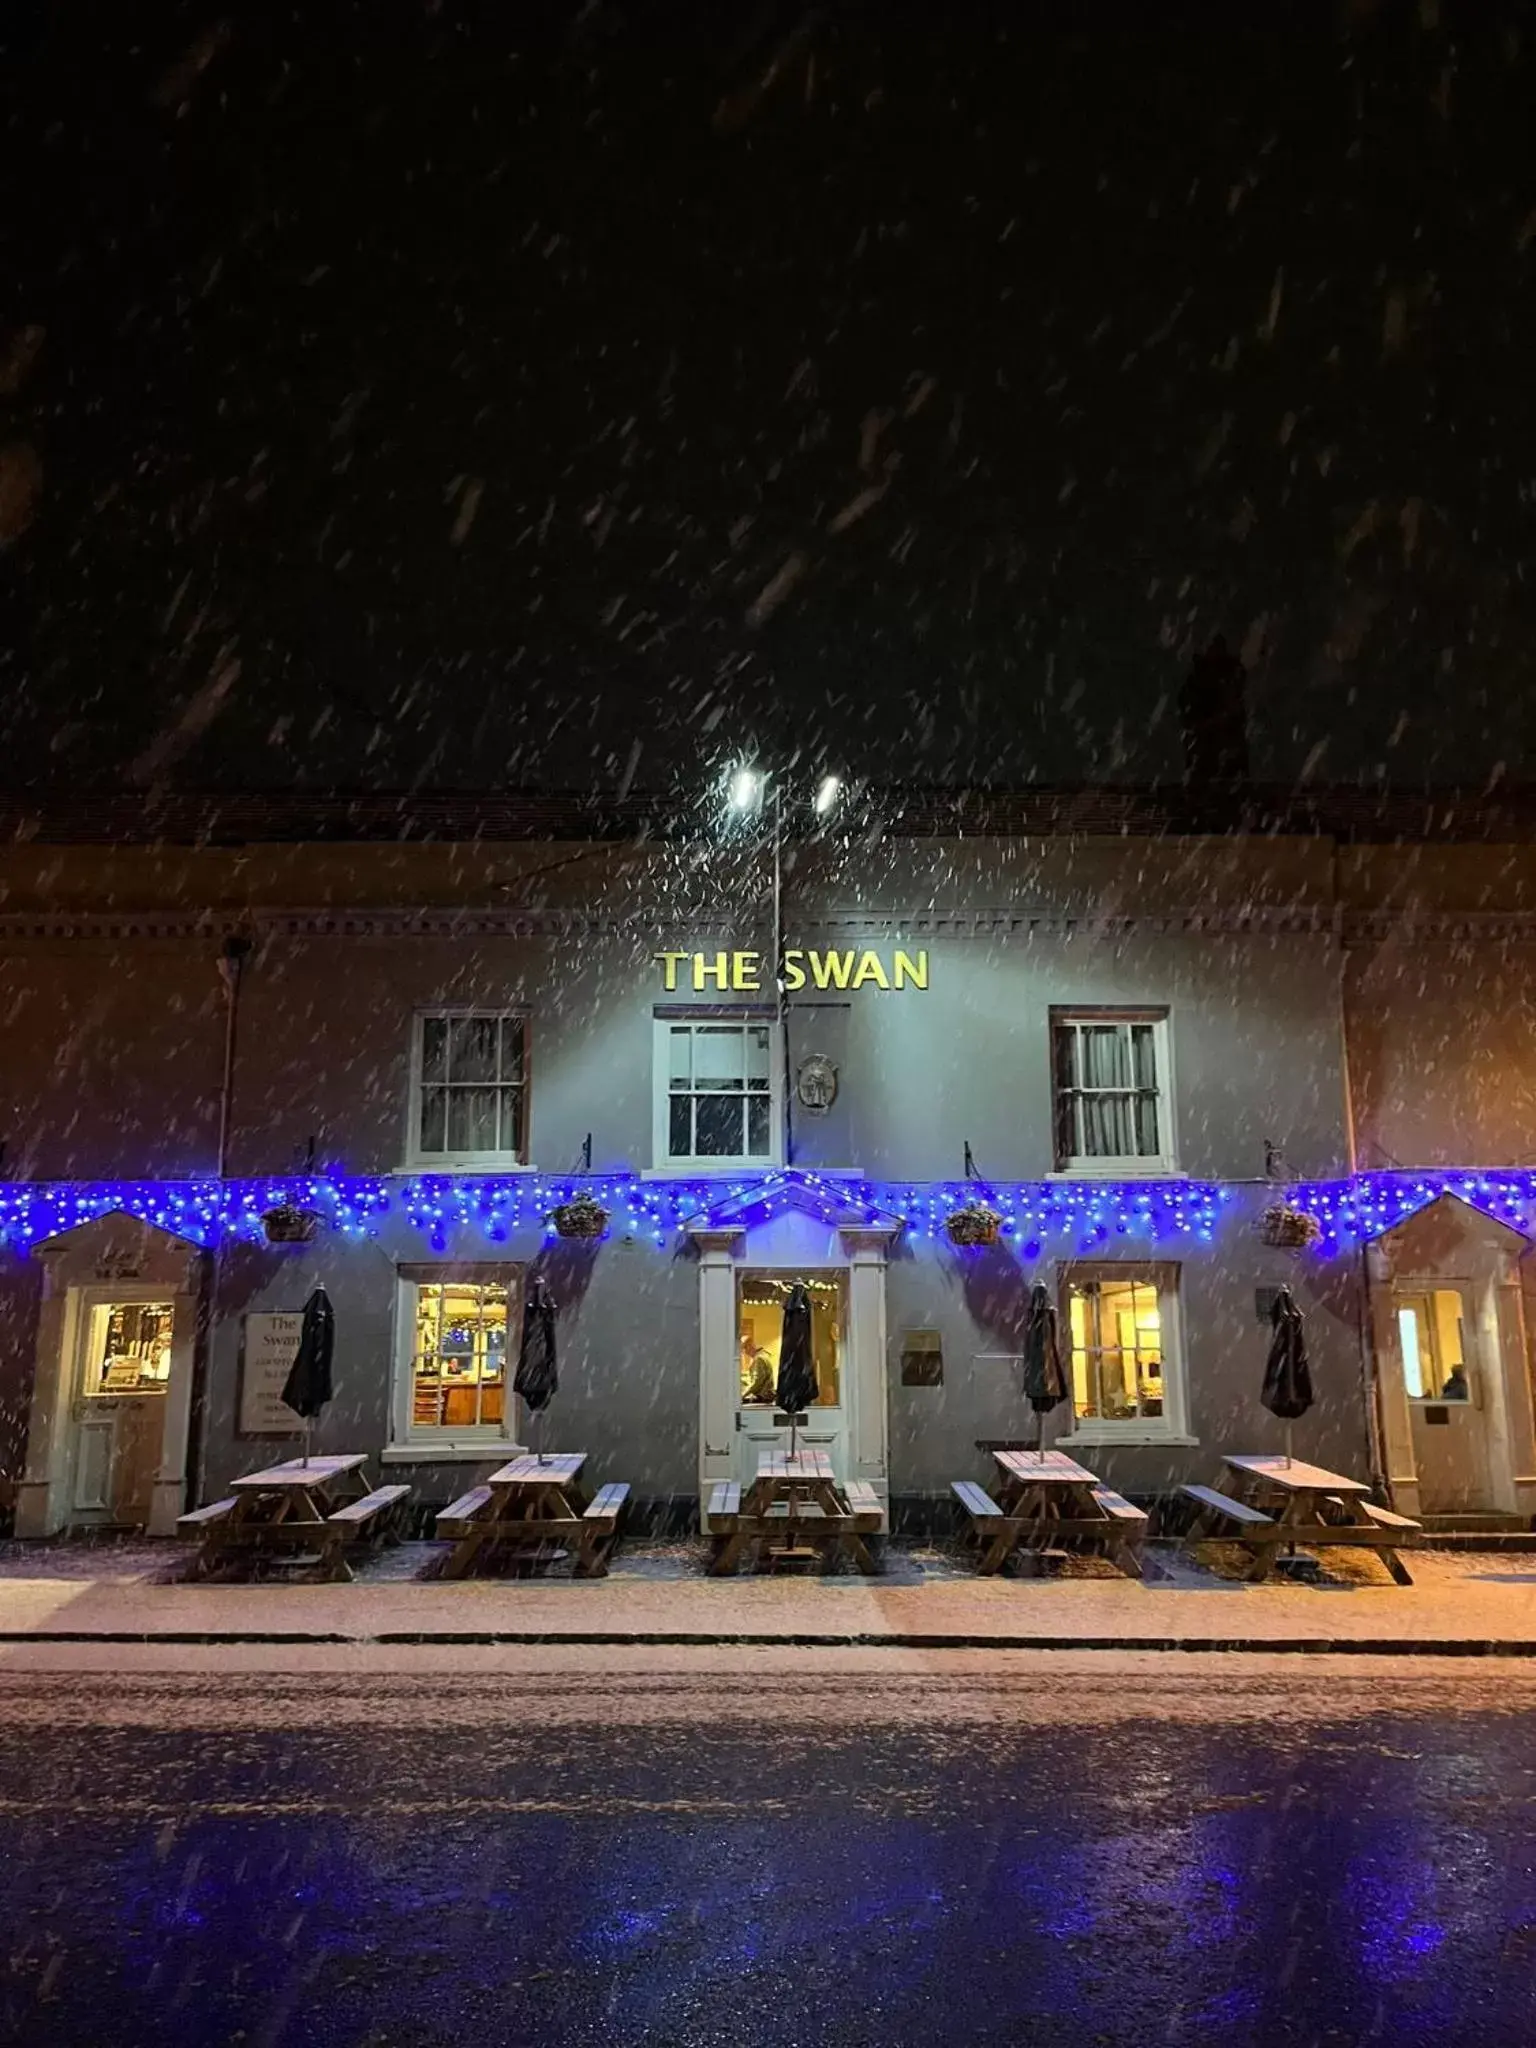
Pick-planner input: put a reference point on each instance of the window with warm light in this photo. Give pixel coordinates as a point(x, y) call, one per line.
point(760, 1328)
point(457, 1329)
point(1112, 1098)
point(1122, 1339)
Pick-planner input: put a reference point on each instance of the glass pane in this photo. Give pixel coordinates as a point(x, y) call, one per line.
point(717, 1126)
point(1144, 1055)
point(1146, 1127)
point(718, 1055)
point(434, 1048)
point(680, 1128)
point(1066, 1055)
point(761, 1330)
point(472, 1115)
point(512, 1120)
point(680, 1056)
point(459, 1367)
point(1105, 1064)
point(472, 1043)
point(1108, 1126)
point(759, 1113)
point(130, 1348)
point(1413, 1357)
point(434, 1120)
point(511, 1048)
point(1449, 1352)
point(757, 1056)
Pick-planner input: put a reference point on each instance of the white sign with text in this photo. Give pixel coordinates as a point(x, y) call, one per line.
point(271, 1340)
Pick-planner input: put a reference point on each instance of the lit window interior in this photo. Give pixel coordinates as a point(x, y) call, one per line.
point(1429, 1329)
point(130, 1348)
point(1117, 1349)
point(459, 1362)
point(761, 1329)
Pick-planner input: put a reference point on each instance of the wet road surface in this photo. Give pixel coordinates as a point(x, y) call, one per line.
point(789, 1847)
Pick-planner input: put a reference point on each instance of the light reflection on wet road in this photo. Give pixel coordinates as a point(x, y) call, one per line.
point(787, 1848)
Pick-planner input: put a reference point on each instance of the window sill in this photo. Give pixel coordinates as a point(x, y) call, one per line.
point(430, 1169)
point(710, 1169)
point(1105, 1439)
point(1106, 1169)
point(483, 1453)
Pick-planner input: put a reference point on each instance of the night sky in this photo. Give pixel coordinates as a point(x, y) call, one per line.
point(456, 394)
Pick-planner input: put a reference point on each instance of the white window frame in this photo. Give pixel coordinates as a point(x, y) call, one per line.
point(666, 1021)
point(1136, 1165)
point(1172, 1426)
point(417, 1161)
point(484, 1443)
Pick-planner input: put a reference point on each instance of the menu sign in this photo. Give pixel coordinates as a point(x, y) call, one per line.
point(271, 1340)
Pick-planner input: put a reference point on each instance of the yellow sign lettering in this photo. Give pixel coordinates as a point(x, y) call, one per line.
point(915, 971)
point(831, 970)
point(869, 969)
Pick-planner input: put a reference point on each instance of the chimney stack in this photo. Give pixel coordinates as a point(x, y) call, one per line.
point(1214, 718)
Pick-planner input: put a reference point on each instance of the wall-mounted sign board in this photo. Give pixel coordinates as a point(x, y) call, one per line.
point(270, 1340)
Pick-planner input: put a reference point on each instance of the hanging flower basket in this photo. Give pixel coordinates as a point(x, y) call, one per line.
point(974, 1224)
point(287, 1224)
point(1288, 1229)
point(583, 1218)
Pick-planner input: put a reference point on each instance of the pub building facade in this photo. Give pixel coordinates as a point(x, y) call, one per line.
point(423, 1054)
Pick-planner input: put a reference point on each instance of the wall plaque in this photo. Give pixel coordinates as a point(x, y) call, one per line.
point(270, 1340)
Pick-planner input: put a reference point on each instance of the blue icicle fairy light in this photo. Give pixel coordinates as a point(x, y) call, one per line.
point(1039, 1218)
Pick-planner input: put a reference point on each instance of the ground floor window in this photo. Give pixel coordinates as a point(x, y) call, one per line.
point(761, 1298)
point(457, 1326)
point(1122, 1325)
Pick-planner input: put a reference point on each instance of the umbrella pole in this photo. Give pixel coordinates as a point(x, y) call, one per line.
point(308, 1426)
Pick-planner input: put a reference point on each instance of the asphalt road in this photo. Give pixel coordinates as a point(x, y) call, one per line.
point(344, 1848)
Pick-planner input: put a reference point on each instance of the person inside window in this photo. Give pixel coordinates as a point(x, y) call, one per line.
point(1456, 1388)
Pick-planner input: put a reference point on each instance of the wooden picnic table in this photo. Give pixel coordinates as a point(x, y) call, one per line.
point(322, 1505)
point(1045, 1499)
point(798, 1509)
point(1280, 1500)
point(535, 1508)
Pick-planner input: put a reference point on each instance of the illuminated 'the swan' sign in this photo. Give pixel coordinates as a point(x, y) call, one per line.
point(743, 973)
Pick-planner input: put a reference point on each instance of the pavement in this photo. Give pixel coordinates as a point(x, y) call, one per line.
point(644, 1846)
point(1462, 1603)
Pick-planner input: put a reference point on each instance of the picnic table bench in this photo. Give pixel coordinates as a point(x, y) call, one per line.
point(315, 1510)
point(532, 1508)
point(1278, 1500)
point(796, 1508)
point(1048, 1498)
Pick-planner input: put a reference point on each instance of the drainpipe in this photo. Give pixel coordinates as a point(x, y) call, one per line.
point(1369, 1391)
point(233, 955)
point(780, 1007)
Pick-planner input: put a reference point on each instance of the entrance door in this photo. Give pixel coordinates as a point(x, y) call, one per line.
point(1447, 1409)
point(760, 1426)
point(122, 1371)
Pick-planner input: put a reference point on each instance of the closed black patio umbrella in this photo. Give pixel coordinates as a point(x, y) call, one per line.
point(796, 1387)
point(308, 1387)
point(537, 1380)
point(1045, 1384)
point(1287, 1390)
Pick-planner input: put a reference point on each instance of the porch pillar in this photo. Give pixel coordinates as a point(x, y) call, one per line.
point(866, 1248)
point(717, 1341)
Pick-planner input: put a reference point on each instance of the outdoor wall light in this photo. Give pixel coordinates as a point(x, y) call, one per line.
point(828, 790)
point(746, 791)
